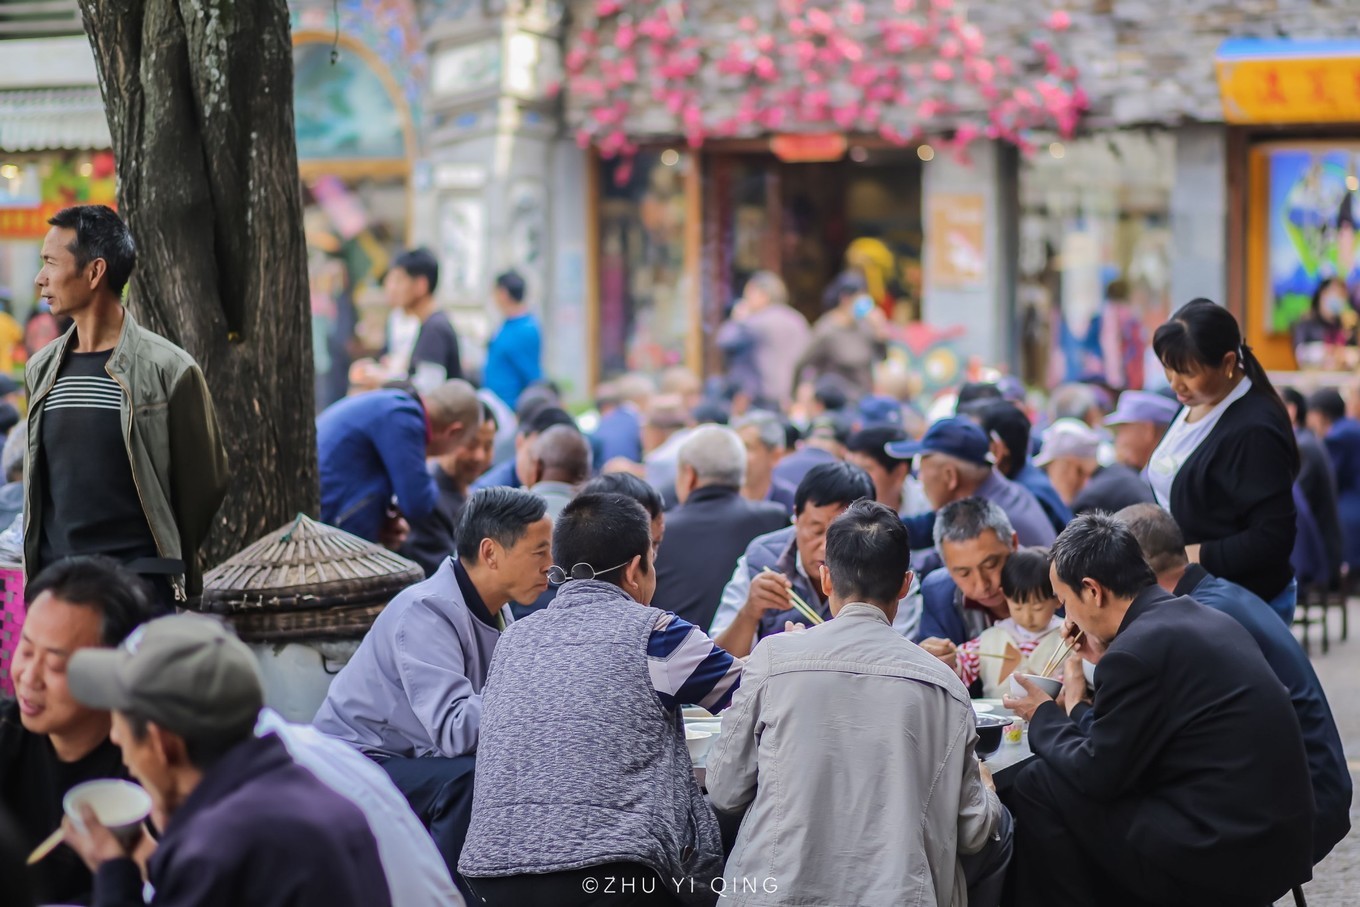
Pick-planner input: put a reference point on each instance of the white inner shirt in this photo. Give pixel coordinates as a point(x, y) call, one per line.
point(1181, 440)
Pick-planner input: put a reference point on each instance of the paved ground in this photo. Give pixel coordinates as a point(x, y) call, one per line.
point(1336, 880)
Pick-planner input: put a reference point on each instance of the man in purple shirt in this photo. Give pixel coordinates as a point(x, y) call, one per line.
point(241, 822)
point(955, 463)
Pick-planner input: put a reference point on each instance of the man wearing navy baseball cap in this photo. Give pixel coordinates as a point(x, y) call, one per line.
point(1139, 422)
point(241, 822)
point(955, 463)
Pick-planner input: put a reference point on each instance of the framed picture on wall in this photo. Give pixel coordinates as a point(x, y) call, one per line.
point(1303, 258)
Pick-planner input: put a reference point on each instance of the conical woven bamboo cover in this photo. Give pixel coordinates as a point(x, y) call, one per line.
point(306, 579)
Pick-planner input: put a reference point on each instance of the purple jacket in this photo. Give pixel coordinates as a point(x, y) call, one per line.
point(259, 830)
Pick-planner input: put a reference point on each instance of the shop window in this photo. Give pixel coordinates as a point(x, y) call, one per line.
point(644, 314)
point(1095, 259)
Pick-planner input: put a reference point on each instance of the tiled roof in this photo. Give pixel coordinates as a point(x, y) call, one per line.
point(53, 119)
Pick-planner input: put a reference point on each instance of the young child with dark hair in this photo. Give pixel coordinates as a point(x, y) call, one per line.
point(1026, 640)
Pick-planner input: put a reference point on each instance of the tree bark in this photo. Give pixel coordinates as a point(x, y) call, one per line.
point(199, 98)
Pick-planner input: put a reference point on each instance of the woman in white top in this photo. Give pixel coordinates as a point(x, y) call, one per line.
point(1226, 467)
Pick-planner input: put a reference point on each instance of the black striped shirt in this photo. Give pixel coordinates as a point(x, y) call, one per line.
point(90, 503)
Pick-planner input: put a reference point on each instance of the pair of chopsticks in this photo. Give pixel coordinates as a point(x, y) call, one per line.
point(800, 606)
point(1061, 655)
point(46, 847)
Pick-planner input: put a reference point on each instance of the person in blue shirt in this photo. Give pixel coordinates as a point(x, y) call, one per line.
point(514, 357)
point(1009, 429)
point(1164, 548)
point(372, 448)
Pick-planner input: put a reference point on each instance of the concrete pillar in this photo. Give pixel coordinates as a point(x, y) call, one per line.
point(1199, 205)
point(483, 200)
point(968, 211)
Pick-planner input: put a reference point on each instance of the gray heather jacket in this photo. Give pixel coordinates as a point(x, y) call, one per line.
point(854, 749)
point(578, 763)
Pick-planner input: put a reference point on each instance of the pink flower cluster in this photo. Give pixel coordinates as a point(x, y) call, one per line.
point(818, 64)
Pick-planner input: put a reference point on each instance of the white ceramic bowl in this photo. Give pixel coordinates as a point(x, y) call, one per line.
point(1047, 684)
point(120, 806)
point(698, 743)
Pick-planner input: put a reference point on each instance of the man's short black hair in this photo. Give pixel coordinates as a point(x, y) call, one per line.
point(203, 751)
point(630, 486)
point(503, 515)
point(420, 263)
point(834, 392)
point(1328, 402)
point(512, 284)
point(1025, 577)
point(868, 554)
point(603, 531)
point(545, 419)
point(1009, 423)
point(833, 483)
point(870, 442)
point(1101, 547)
point(974, 391)
point(92, 581)
point(1293, 398)
point(100, 233)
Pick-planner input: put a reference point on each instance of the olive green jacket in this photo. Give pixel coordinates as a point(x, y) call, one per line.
point(178, 462)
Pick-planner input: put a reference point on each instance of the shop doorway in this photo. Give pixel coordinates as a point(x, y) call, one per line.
point(808, 221)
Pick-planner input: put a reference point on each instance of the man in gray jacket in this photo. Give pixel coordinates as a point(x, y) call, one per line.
point(848, 732)
point(411, 697)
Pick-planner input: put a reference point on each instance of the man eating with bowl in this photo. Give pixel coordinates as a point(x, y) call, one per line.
point(1184, 782)
point(242, 823)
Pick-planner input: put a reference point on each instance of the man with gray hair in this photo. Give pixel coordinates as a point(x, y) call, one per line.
point(766, 443)
point(975, 539)
point(712, 526)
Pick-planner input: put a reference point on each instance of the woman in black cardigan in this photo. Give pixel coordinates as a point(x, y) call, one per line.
point(1226, 467)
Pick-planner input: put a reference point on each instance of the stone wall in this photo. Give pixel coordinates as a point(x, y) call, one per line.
point(1139, 61)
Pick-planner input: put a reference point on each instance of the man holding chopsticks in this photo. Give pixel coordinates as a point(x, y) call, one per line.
point(775, 581)
point(1185, 781)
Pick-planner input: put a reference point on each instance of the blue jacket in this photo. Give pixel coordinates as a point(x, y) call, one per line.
point(619, 435)
point(514, 358)
point(1343, 443)
point(941, 611)
point(1036, 482)
point(1321, 742)
point(502, 475)
point(260, 830)
point(1309, 558)
point(371, 447)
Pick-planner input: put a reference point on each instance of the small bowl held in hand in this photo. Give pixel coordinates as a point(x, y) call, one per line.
point(1047, 684)
point(120, 806)
point(989, 729)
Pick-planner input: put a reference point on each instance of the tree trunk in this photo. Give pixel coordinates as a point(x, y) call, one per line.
point(199, 97)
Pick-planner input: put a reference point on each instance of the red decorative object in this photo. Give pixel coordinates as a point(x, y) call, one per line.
point(809, 148)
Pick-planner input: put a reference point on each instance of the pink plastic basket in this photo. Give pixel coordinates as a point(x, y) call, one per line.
point(11, 620)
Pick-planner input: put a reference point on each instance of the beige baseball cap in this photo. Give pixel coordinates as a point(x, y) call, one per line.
point(188, 673)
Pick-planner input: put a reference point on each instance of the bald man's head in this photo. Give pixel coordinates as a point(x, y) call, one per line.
point(563, 455)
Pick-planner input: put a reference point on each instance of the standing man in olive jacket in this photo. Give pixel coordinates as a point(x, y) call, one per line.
point(124, 457)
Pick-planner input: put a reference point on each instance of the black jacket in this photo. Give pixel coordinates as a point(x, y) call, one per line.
point(1194, 745)
point(1234, 496)
point(704, 538)
point(1317, 481)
